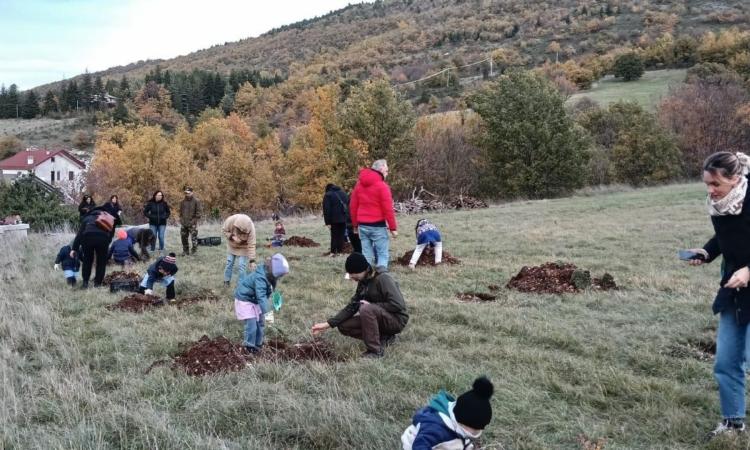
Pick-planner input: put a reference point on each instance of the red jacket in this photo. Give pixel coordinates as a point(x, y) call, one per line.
point(371, 200)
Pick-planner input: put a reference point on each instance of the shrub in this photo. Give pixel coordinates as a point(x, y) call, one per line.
point(629, 67)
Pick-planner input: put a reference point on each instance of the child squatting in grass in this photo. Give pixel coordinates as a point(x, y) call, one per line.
point(162, 272)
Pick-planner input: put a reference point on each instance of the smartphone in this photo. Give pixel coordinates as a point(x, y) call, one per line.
point(687, 255)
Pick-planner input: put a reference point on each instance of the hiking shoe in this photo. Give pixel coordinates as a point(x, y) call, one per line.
point(726, 426)
point(226, 284)
point(387, 340)
point(372, 355)
point(251, 349)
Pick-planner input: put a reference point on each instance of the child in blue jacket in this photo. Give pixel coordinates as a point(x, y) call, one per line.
point(122, 250)
point(448, 424)
point(427, 234)
point(252, 297)
point(70, 266)
point(162, 271)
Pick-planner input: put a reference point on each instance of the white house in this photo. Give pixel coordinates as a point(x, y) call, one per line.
point(56, 167)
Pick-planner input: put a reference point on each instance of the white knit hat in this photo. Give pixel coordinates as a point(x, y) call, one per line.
point(279, 265)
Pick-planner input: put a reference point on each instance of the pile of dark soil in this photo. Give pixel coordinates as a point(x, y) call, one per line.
point(122, 276)
point(137, 303)
point(427, 258)
point(209, 356)
point(201, 296)
point(475, 297)
point(558, 278)
point(300, 241)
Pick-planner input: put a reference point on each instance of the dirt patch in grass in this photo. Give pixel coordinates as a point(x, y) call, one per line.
point(300, 241)
point(475, 297)
point(315, 350)
point(122, 277)
point(209, 356)
point(137, 303)
point(702, 349)
point(558, 278)
point(427, 258)
point(200, 297)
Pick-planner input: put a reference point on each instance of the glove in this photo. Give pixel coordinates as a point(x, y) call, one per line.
point(269, 317)
point(57, 266)
point(149, 292)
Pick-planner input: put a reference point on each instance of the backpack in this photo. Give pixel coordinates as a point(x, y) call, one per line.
point(105, 221)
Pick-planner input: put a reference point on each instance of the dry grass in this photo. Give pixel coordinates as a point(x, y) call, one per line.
point(596, 364)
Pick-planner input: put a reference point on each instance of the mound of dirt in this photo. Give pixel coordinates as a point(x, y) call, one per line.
point(202, 296)
point(122, 276)
point(137, 303)
point(300, 241)
point(558, 278)
point(475, 297)
point(427, 258)
point(209, 356)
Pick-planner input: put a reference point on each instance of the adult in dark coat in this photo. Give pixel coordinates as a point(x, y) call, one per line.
point(113, 207)
point(92, 242)
point(336, 216)
point(157, 212)
point(726, 177)
point(86, 205)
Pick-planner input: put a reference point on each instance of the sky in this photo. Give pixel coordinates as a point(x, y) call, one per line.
point(42, 41)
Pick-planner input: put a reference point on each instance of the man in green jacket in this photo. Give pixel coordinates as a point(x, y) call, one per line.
point(190, 213)
point(376, 312)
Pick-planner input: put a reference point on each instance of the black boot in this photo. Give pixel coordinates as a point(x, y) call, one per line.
point(71, 281)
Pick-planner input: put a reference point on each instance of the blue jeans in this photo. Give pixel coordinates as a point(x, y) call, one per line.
point(254, 332)
point(230, 265)
point(375, 243)
point(158, 231)
point(729, 368)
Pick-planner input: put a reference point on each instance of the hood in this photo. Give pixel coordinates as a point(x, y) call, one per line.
point(442, 406)
point(243, 223)
point(369, 177)
point(332, 187)
point(441, 402)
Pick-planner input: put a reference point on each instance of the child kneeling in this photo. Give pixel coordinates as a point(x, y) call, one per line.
point(122, 250)
point(451, 424)
point(70, 265)
point(163, 272)
point(252, 297)
point(427, 234)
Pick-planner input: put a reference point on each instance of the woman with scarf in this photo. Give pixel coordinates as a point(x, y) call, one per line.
point(726, 177)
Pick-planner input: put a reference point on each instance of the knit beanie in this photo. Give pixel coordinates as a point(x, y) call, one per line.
point(473, 408)
point(356, 263)
point(279, 265)
point(122, 234)
point(169, 263)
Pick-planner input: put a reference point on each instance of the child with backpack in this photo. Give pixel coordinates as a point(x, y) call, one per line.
point(162, 272)
point(69, 264)
point(449, 423)
point(122, 250)
point(252, 298)
point(427, 235)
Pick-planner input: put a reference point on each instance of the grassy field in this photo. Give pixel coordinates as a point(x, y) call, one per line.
point(607, 365)
point(44, 132)
point(647, 91)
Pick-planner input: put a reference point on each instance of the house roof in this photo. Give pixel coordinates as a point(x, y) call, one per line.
point(19, 161)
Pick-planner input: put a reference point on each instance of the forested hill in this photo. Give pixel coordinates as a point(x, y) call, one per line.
point(407, 39)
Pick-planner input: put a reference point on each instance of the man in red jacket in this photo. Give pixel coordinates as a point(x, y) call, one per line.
point(371, 207)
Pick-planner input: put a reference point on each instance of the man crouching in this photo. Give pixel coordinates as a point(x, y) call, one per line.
point(377, 311)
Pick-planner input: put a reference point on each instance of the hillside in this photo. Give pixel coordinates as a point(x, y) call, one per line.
point(626, 366)
point(408, 39)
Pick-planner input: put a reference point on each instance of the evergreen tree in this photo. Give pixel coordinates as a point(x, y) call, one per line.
point(3, 102)
point(629, 66)
point(87, 91)
point(124, 88)
point(13, 103)
point(30, 108)
point(50, 103)
point(533, 148)
point(121, 115)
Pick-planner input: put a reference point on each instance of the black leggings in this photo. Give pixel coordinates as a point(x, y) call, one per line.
point(338, 237)
point(94, 246)
point(354, 240)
